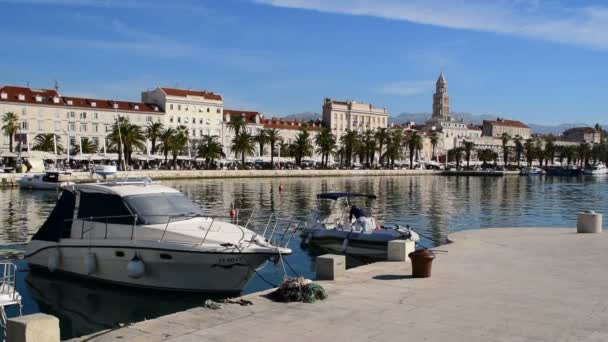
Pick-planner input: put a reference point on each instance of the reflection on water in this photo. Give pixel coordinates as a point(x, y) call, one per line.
point(433, 205)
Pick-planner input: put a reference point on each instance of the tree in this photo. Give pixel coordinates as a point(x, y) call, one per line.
point(487, 155)
point(179, 142)
point(301, 146)
point(88, 146)
point(274, 135)
point(519, 148)
point(210, 149)
point(382, 137)
point(434, 141)
point(350, 141)
point(165, 142)
point(394, 146)
point(237, 124)
point(115, 137)
point(455, 154)
point(133, 139)
point(262, 139)
point(368, 146)
point(46, 142)
point(414, 143)
point(583, 150)
point(10, 126)
point(505, 138)
point(550, 149)
point(243, 144)
point(154, 131)
point(326, 144)
point(530, 149)
point(468, 147)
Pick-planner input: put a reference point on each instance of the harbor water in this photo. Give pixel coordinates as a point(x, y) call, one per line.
point(432, 205)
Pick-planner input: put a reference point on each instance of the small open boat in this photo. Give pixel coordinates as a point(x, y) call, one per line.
point(48, 180)
point(337, 233)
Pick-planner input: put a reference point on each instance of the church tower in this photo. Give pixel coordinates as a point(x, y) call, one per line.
point(441, 100)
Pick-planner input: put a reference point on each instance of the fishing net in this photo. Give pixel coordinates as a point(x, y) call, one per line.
point(298, 289)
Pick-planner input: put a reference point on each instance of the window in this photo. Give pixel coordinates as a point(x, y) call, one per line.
point(83, 116)
point(83, 127)
point(113, 209)
point(218, 111)
point(171, 106)
point(186, 108)
point(24, 125)
point(200, 121)
point(193, 120)
point(95, 141)
point(72, 141)
point(171, 119)
point(179, 107)
point(179, 119)
point(95, 116)
point(107, 128)
point(95, 128)
point(149, 118)
point(71, 115)
point(71, 127)
point(193, 132)
point(156, 208)
point(208, 109)
point(201, 132)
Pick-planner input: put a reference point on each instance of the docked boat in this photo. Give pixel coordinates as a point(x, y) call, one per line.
point(598, 169)
point(104, 170)
point(48, 180)
point(531, 171)
point(146, 235)
point(337, 233)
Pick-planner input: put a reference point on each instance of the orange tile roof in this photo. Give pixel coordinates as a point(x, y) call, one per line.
point(249, 115)
point(508, 123)
point(185, 92)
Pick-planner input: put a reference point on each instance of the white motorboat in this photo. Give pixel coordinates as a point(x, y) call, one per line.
point(48, 180)
point(338, 233)
point(531, 171)
point(104, 170)
point(598, 169)
point(146, 235)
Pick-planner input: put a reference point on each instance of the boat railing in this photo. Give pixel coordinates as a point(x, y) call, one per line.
point(276, 231)
point(8, 291)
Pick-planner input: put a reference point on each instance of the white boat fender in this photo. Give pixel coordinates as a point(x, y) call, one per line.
point(90, 263)
point(136, 267)
point(54, 260)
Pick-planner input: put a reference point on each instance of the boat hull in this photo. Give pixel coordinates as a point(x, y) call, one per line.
point(164, 269)
point(27, 183)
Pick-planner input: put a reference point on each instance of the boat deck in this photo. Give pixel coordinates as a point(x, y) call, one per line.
point(507, 284)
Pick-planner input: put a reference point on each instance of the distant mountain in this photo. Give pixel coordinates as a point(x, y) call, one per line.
point(478, 119)
point(306, 116)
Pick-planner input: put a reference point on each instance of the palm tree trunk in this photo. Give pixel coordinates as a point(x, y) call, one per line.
point(272, 155)
point(10, 142)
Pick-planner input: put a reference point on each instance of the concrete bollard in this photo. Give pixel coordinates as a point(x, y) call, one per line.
point(398, 250)
point(33, 328)
point(589, 222)
point(330, 266)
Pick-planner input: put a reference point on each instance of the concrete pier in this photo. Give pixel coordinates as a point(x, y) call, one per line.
point(505, 284)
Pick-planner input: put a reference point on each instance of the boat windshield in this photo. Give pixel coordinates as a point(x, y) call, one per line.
point(159, 208)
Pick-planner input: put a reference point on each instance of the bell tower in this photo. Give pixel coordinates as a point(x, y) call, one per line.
point(441, 100)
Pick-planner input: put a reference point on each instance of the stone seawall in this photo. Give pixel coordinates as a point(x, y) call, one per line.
point(9, 179)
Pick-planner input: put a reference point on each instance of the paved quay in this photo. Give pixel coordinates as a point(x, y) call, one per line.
point(10, 179)
point(501, 284)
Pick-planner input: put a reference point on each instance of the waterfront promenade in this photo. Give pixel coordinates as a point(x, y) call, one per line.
point(9, 179)
point(503, 284)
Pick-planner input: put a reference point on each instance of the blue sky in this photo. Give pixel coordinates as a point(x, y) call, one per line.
point(534, 60)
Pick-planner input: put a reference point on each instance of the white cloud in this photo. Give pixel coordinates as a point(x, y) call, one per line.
point(536, 19)
point(405, 87)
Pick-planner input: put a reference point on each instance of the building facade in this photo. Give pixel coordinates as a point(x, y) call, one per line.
point(45, 111)
point(200, 111)
point(342, 115)
point(582, 135)
point(496, 128)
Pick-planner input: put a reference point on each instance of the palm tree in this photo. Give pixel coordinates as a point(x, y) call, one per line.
point(350, 141)
point(46, 142)
point(88, 146)
point(434, 141)
point(519, 148)
point(237, 124)
point(505, 138)
point(530, 151)
point(468, 147)
point(132, 138)
point(115, 137)
point(210, 149)
point(326, 144)
point(10, 127)
point(153, 132)
point(540, 153)
point(262, 139)
point(583, 151)
point(165, 142)
point(274, 135)
point(486, 155)
point(368, 140)
point(394, 146)
point(456, 154)
point(179, 142)
point(381, 138)
point(302, 147)
point(243, 144)
point(550, 149)
point(414, 143)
